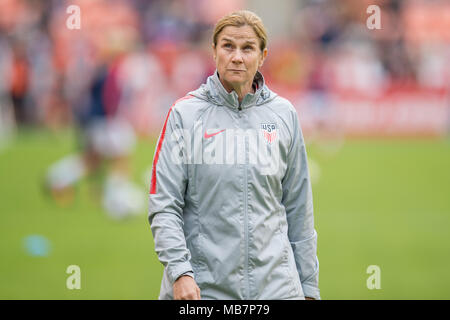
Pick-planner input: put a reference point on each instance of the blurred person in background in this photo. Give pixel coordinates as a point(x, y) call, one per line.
point(234, 231)
point(106, 138)
point(19, 83)
point(7, 118)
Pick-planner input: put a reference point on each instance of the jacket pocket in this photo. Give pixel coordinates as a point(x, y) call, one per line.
point(291, 268)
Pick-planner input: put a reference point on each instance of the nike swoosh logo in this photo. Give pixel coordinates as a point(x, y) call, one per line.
point(212, 134)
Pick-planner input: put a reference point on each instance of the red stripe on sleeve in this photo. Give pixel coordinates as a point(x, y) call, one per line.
point(158, 149)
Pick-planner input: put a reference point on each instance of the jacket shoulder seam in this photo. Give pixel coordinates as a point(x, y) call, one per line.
point(183, 101)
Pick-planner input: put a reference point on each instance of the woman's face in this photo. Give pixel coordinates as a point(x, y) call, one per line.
point(238, 55)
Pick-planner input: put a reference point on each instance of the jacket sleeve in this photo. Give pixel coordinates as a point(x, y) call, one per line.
point(166, 200)
point(298, 201)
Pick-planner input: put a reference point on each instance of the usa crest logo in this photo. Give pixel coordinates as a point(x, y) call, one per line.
point(269, 131)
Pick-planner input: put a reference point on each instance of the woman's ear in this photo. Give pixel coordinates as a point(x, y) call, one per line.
point(263, 57)
point(213, 46)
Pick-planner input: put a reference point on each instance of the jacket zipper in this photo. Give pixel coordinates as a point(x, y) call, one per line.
point(246, 231)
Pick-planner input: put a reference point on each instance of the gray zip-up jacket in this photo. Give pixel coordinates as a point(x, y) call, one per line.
point(230, 197)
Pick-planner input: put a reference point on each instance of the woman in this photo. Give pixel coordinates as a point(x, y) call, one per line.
point(230, 205)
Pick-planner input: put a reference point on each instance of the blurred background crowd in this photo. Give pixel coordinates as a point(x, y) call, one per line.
point(136, 57)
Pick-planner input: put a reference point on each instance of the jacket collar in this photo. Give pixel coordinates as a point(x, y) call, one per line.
point(218, 93)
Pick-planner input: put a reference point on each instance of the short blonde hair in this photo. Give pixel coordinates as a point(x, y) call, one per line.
point(239, 19)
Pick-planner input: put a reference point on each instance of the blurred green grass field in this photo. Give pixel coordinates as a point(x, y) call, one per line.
point(377, 202)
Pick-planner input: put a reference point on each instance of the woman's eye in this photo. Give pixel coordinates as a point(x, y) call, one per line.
point(227, 45)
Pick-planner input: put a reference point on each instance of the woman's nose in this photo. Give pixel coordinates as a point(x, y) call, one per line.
point(237, 56)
